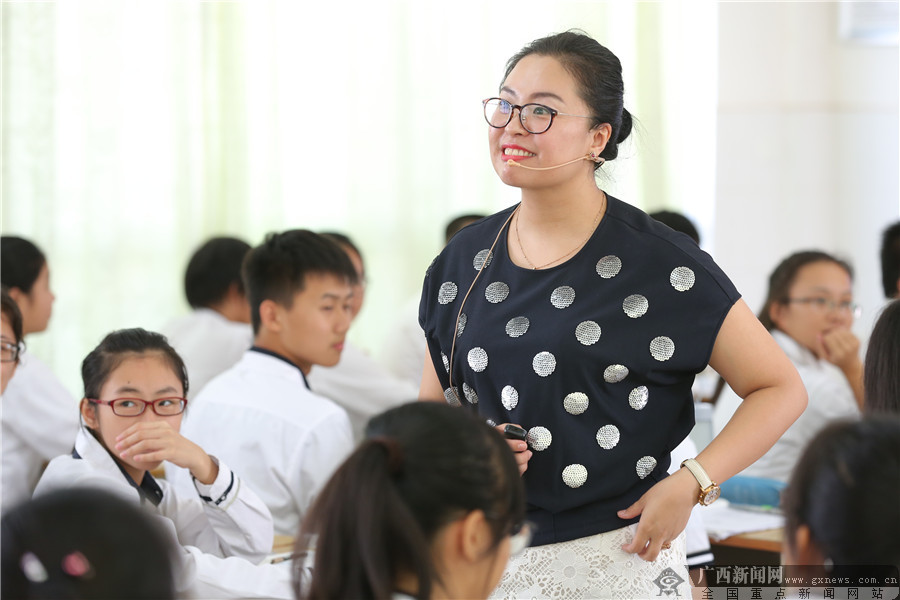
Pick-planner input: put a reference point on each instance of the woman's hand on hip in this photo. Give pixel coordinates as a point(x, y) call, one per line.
point(664, 510)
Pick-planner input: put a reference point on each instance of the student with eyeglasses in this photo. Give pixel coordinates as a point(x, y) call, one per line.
point(134, 400)
point(583, 320)
point(809, 310)
point(39, 416)
point(11, 344)
point(430, 505)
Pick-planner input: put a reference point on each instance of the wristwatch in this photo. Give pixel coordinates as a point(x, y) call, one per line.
point(709, 489)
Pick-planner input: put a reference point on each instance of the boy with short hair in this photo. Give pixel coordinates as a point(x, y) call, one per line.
point(260, 416)
point(216, 333)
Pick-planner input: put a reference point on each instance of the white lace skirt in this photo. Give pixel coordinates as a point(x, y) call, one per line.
point(595, 567)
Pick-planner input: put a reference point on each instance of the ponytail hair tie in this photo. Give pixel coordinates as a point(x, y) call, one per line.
point(76, 564)
point(394, 453)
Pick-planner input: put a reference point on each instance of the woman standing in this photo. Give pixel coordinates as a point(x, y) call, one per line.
point(583, 320)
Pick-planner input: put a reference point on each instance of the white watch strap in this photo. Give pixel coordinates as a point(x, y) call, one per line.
point(698, 472)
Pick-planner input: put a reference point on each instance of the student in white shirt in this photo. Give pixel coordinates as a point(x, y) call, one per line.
point(217, 332)
point(359, 383)
point(134, 385)
point(809, 310)
point(39, 417)
point(431, 505)
point(11, 344)
point(260, 415)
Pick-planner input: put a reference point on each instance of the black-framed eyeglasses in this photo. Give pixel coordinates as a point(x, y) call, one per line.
point(827, 305)
point(10, 351)
point(535, 118)
point(134, 407)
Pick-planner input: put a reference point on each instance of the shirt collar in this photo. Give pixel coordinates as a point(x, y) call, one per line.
point(274, 354)
point(148, 490)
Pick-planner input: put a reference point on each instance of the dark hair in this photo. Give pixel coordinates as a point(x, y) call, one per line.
point(890, 260)
point(20, 263)
point(784, 275)
point(678, 222)
point(455, 225)
point(422, 466)
point(119, 345)
point(12, 312)
point(845, 488)
point(213, 269)
point(342, 240)
point(880, 380)
point(277, 269)
point(84, 543)
point(598, 73)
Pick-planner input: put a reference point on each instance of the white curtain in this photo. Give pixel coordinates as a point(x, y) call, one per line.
point(131, 131)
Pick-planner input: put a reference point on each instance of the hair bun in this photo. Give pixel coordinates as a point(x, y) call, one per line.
point(393, 451)
point(625, 126)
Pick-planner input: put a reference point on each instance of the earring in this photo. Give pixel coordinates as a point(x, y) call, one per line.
point(597, 159)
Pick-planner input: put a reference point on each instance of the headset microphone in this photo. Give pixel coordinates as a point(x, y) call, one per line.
point(513, 163)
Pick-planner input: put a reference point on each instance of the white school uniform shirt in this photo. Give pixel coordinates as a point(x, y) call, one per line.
point(40, 419)
point(219, 539)
point(830, 398)
point(208, 343)
point(405, 348)
point(283, 439)
point(361, 386)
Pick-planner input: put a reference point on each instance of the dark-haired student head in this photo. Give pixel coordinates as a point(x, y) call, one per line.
point(457, 223)
point(443, 499)
point(11, 343)
point(213, 278)
point(356, 257)
point(84, 543)
point(25, 274)
point(299, 284)
point(840, 505)
point(678, 222)
point(881, 378)
point(890, 261)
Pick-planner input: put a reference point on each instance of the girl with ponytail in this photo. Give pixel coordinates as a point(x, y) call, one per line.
point(430, 505)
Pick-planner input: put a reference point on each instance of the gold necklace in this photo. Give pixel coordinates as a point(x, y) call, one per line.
point(567, 254)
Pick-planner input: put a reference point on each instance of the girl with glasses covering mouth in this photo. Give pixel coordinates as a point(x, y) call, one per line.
point(134, 400)
point(579, 318)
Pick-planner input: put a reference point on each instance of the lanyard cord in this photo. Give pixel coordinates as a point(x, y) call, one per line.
point(487, 259)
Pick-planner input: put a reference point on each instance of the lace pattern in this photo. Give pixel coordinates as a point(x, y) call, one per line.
point(592, 568)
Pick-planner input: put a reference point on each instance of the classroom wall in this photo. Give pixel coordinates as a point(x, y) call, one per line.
point(807, 151)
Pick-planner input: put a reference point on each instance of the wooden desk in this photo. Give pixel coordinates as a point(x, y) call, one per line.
point(754, 548)
point(283, 543)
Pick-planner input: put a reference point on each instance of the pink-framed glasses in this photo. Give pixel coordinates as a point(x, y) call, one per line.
point(134, 407)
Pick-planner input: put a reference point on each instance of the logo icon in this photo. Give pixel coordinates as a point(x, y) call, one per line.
point(668, 582)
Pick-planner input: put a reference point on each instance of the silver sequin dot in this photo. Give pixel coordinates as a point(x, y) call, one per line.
point(544, 363)
point(635, 306)
point(682, 279)
point(587, 332)
point(539, 438)
point(496, 292)
point(609, 266)
point(615, 373)
point(563, 296)
point(447, 293)
point(608, 437)
point(638, 397)
point(470, 394)
point(517, 326)
point(452, 396)
point(478, 359)
point(509, 397)
point(574, 476)
point(575, 403)
point(446, 362)
point(491, 422)
point(662, 348)
point(482, 259)
point(645, 466)
point(461, 325)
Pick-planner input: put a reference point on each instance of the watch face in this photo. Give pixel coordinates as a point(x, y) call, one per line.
point(710, 495)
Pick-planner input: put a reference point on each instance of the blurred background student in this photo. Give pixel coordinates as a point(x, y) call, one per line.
point(430, 505)
point(358, 383)
point(217, 332)
point(890, 260)
point(809, 310)
point(11, 344)
point(84, 543)
point(840, 506)
point(882, 366)
point(39, 417)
